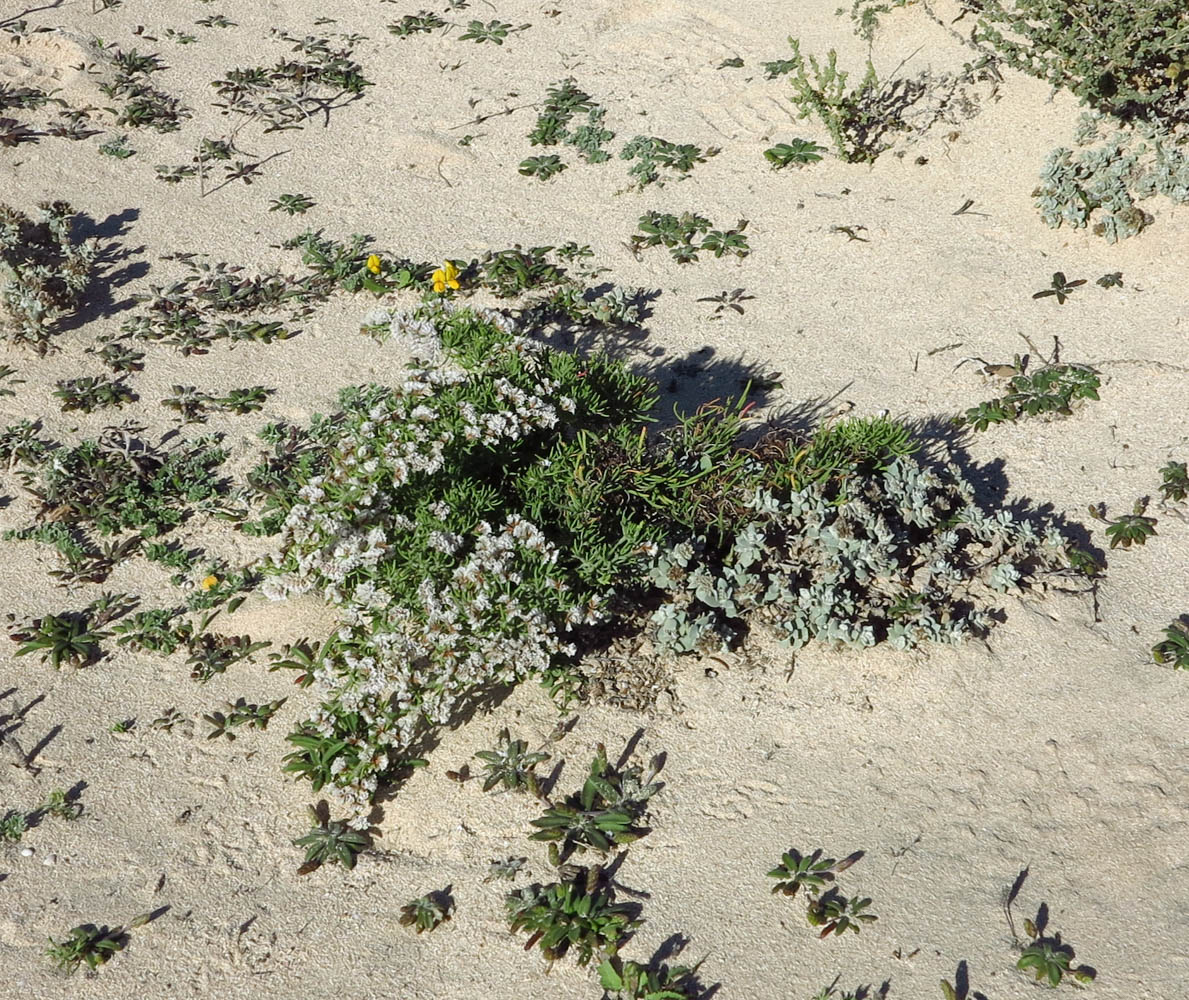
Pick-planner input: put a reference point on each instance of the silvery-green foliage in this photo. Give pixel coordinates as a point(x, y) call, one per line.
point(906, 557)
point(1110, 173)
point(42, 273)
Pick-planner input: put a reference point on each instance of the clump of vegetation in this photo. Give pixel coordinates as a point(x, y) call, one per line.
point(1110, 172)
point(826, 907)
point(1127, 61)
point(425, 913)
point(91, 945)
point(321, 75)
point(852, 116)
point(1174, 647)
point(1174, 481)
point(799, 152)
point(578, 916)
point(688, 234)
point(119, 482)
point(1051, 389)
point(631, 981)
point(604, 813)
point(43, 273)
point(70, 637)
point(479, 518)
point(654, 155)
point(512, 765)
point(1126, 530)
point(331, 841)
point(144, 105)
point(563, 102)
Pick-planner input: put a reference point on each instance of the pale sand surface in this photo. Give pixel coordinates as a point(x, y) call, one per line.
point(1061, 748)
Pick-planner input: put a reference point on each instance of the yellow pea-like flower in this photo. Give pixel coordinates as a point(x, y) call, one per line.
point(373, 263)
point(209, 582)
point(445, 277)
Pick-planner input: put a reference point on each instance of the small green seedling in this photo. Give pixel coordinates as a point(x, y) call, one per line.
point(292, 204)
point(330, 841)
point(413, 24)
point(13, 825)
point(811, 872)
point(512, 765)
point(1174, 647)
point(541, 167)
point(835, 913)
point(241, 713)
point(798, 153)
point(1112, 280)
point(117, 146)
point(428, 911)
point(91, 944)
point(492, 31)
point(1127, 529)
point(1049, 958)
point(1174, 481)
point(1060, 287)
point(504, 868)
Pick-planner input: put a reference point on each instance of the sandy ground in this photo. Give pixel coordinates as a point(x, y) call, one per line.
point(1060, 748)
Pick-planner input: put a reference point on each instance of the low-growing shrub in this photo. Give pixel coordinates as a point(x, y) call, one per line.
point(477, 521)
point(1130, 60)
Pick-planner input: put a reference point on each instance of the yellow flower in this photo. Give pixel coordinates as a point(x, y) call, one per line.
point(445, 277)
point(209, 582)
point(373, 264)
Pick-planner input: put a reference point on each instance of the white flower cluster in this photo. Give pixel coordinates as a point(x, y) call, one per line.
point(501, 611)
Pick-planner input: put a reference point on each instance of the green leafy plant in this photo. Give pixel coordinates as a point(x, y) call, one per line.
point(1061, 287)
point(331, 841)
point(653, 155)
point(427, 912)
point(493, 31)
point(1174, 481)
point(836, 914)
point(1126, 529)
point(604, 813)
point(852, 117)
point(811, 872)
point(631, 981)
point(71, 637)
point(91, 945)
point(117, 147)
point(541, 167)
point(413, 24)
point(512, 765)
point(240, 713)
point(1174, 647)
point(681, 234)
point(90, 393)
point(798, 152)
point(292, 204)
point(13, 825)
point(826, 907)
point(1052, 389)
point(577, 916)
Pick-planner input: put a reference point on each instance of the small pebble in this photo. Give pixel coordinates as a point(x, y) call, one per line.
point(26, 852)
point(49, 860)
